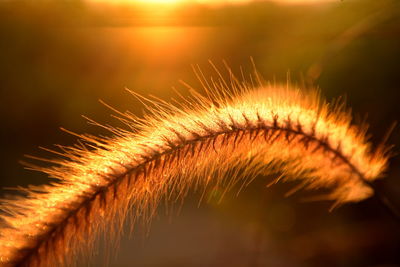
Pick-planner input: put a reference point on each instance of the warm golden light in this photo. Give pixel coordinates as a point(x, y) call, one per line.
point(138, 1)
point(209, 2)
point(302, 1)
point(158, 1)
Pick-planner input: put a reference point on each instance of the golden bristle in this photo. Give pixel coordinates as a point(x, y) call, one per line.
point(259, 131)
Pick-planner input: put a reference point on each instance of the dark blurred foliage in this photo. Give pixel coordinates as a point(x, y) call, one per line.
point(57, 58)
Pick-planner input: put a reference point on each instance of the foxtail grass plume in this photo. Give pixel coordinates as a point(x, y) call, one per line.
point(227, 136)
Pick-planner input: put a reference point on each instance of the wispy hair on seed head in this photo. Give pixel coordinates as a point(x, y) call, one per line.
point(254, 127)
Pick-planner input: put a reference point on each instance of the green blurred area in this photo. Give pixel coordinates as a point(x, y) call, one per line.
point(58, 57)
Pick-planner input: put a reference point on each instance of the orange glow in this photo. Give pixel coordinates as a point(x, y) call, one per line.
point(158, 1)
point(173, 2)
point(208, 2)
point(302, 1)
point(140, 1)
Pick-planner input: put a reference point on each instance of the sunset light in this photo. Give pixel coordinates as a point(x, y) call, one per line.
point(138, 1)
point(173, 2)
point(199, 133)
point(207, 2)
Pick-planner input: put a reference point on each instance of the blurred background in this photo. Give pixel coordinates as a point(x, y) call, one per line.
point(58, 57)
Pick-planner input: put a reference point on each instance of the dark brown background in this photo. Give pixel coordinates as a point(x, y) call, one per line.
point(57, 58)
